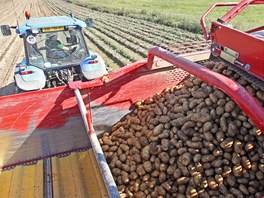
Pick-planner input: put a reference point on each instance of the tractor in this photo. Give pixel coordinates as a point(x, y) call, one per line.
point(49, 137)
point(55, 53)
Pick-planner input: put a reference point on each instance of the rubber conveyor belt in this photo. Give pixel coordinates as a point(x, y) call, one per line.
point(76, 175)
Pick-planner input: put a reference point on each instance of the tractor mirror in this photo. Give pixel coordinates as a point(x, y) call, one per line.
point(5, 29)
point(89, 22)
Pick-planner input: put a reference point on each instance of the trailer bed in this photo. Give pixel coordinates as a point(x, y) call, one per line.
point(75, 175)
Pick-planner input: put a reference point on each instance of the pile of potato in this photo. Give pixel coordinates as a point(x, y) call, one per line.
point(191, 140)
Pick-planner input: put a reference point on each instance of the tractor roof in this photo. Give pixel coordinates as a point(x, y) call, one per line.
point(46, 22)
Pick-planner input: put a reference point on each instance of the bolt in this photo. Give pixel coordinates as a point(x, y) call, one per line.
point(247, 67)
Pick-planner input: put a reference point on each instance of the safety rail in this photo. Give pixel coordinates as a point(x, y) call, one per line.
point(238, 7)
point(104, 168)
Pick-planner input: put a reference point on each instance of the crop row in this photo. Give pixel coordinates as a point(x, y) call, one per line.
point(137, 22)
point(103, 44)
point(106, 42)
point(127, 37)
point(179, 35)
point(165, 32)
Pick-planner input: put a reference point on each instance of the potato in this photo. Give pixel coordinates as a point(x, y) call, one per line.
point(188, 141)
point(195, 145)
point(145, 152)
point(162, 177)
point(164, 157)
point(148, 166)
point(231, 180)
point(191, 193)
point(165, 144)
point(212, 183)
point(140, 170)
point(238, 170)
point(208, 158)
point(171, 169)
point(232, 129)
point(185, 159)
point(201, 117)
point(125, 177)
point(227, 143)
point(229, 106)
point(243, 189)
point(219, 179)
point(158, 129)
point(236, 193)
point(183, 180)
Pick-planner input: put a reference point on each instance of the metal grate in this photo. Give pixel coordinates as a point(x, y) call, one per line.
point(188, 47)
point(176, 76)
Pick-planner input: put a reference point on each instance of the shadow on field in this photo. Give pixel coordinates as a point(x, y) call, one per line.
point(8, 89)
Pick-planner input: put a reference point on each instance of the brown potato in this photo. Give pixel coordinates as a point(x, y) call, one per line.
point(190, 140)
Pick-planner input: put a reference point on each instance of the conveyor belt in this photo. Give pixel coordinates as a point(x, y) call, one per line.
point(76, 175)
point(252, 79)
point(22, 181)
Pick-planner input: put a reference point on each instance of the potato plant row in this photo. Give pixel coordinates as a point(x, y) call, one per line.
point(191, 140)
point(124, 34)
point(108, 50)
point(111, 51)
point(150, 31)
point(122, 56)
point(145, 37)
point(124, 41)
point(125, 52)
point(142, 47)
point(138, 22)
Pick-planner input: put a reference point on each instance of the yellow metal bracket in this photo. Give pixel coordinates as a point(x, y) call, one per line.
point(229, 55)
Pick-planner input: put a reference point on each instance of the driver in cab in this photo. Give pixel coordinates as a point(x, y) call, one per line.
point(53, 42)
point(55, 49)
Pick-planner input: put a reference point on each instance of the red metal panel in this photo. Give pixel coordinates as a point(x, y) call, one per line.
point(43, 123)
point(250, 49)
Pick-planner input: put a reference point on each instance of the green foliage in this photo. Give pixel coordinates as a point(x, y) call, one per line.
point(189, 24)
point(176, 13)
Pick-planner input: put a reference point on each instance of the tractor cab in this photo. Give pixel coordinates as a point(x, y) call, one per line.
point(55, 53)
point(56, 49)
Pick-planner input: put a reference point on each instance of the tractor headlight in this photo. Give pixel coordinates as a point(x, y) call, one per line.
point(22, 67)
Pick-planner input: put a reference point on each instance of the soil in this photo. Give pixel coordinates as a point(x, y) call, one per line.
point(11, 48)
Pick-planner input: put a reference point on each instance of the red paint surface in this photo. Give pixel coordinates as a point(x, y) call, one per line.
point(52, 107)
point(251, 50)
point(46, 108)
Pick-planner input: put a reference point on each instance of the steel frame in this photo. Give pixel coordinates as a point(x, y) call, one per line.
point(247, 51)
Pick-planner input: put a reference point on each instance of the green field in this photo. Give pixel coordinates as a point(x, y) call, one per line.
point(124, 30)
point(185, 14)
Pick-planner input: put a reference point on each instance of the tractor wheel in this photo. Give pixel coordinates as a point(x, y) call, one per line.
point(17, 89)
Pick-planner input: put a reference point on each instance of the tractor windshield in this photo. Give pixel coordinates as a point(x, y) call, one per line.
point(56, 49)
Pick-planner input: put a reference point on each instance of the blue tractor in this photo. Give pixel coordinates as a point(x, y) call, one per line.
point(55, 53)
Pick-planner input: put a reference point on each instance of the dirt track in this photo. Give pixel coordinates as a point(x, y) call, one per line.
point(11, 48)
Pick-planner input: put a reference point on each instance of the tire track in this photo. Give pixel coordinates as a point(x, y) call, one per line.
point(11, 53)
